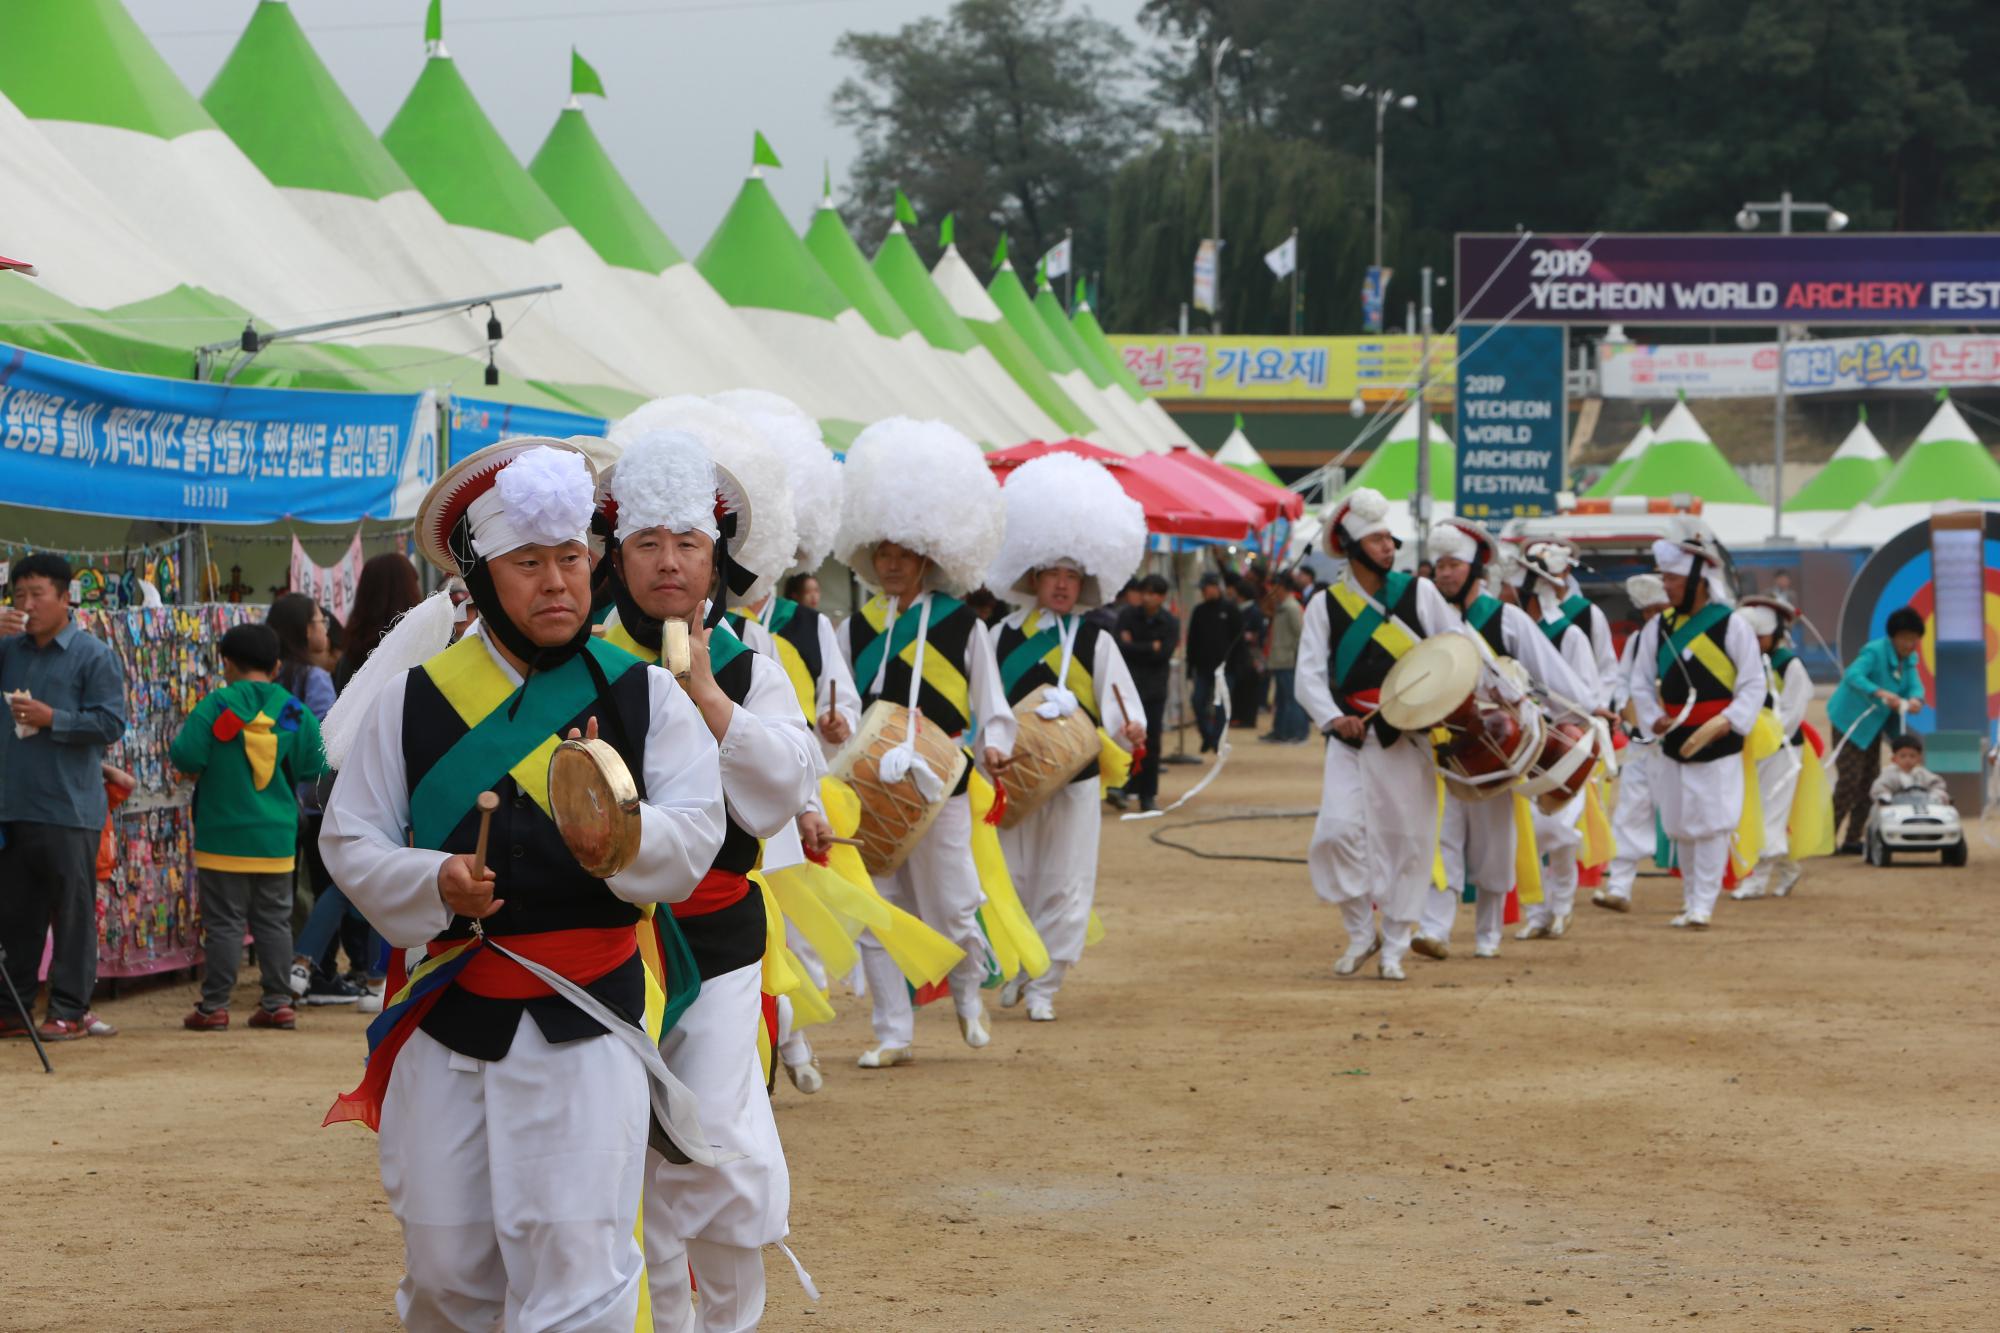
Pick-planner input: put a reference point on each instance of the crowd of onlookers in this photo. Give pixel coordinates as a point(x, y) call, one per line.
point(251, 751)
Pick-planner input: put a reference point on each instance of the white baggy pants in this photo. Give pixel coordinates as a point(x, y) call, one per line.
point(1557, 838)
point(940, 885)
point(1700, 804)
point(1376, 836)
point(1477, 843)
point(527, 1227)
point(1632, 819)
point(1052, 855)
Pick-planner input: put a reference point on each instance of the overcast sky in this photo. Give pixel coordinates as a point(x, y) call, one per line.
point(689, 80)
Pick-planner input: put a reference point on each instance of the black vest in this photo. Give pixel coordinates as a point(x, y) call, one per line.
point(949, 635)
point(1490, 629)
point(802, 632)
point(544, 888)
point(1689, 675)
point(1371, 665)
point(1041, 673)
point(733, 937)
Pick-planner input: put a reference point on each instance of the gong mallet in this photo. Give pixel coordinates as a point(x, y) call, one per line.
point(488, 802)
point(1138, 751)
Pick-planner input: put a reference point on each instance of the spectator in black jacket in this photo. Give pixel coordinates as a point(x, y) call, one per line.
point(1148, 634)
point(1246, 673)
point(1214, 630)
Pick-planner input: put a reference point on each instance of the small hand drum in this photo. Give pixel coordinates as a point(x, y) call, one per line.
point(596, 806)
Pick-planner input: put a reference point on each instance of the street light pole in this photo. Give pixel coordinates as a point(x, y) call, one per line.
point(1215, 168)
point(1747, 219)
point(1423, 497)
point(1381, 111)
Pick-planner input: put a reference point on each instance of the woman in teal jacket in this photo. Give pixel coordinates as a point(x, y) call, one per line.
point(1880, 687)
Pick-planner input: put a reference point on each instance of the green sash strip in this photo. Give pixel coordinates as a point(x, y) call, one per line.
point(781, 615)
point(1030, 651)
point(1482, 610)
point(1673, 645)
point(1362, 628)
point(485, 753)
point(869, 660)
point(723, 646)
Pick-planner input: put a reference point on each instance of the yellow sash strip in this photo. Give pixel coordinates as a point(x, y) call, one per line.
point(1810, 829)
point(1710, 654)
point(474, 685)
point(1114, 762)
point(940, 673)
point(792, 888)
point(1390, 634)
point(1599, 846)
point(922, 955)
point(802, 680)
point(1015, 943)
point(618, 636)
point(1439, 880)
point(1527, 856)
point(1079, 681)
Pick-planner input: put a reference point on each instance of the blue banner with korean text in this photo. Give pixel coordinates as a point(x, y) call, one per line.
point(1512, 420)
point(475, 423)
point(82, 440)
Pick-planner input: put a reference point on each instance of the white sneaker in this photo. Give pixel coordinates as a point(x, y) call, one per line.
point(886, 1057)
point(1696, 922)
point(1357, 954)
point(371, 1003)
point(1534, 930)
point(806, 1077)
point(1752, 885)
point(973, 1027)
point(300, 979)
point(1041, 1011)
point(1430, 948)
point(1605, 898)
point(1485, 951)
point(1558, 925)
point(1679, 922)
point(1010, 994)
point(1390, 969)
point(1786, 879)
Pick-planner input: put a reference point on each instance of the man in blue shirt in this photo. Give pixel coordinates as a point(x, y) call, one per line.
point(65, 695)
point(1880, 688)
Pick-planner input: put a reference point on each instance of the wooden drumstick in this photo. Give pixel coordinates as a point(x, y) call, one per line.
point(839, 841)
point(488, 802)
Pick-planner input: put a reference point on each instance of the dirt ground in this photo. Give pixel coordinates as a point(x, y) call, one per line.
point(1786, 1123)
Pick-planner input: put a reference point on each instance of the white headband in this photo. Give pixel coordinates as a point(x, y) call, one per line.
point(1366, 513)
point(543, 497)
point(1671, 559)
point(1763, 620)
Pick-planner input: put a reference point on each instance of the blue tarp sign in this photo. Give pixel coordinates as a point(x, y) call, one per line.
point(82, 440)
point(476, 423)
point(1512, 420)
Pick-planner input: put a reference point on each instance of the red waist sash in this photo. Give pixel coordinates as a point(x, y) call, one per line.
point(582, 955)
point(1705, 709)
point(718, 889)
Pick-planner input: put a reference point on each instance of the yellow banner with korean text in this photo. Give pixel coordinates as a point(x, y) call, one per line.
point(1223, 369)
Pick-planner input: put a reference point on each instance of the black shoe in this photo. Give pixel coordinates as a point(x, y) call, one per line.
point(334, 990)
point(1848, 849)
point(1146, 805)
point(1270, 738)
point(1118, 801)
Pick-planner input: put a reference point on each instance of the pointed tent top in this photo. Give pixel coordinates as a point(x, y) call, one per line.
point(1042, 274)
point(826, 184)
point(87, 60)
point(442, 138)
point(1640, 439)
point(434, 32)
point(580, 178)
point(1239, 453)
point(762, 154)
point(906, 213)
point(583, 80)
point(1947, 462)
point(1682, 459)
point(946, 230)
point(1861, 442)
point(1945, 424)
point(955, 278)
point(830, 243)
point(1681, 425)
point(1608, 483)
point(1392, 468)
point(1000, 254)
point(1056, 320)
point(321, 143)
point(756, 261)
point(903, 275)
point(1012, 301)
point(1239, 424)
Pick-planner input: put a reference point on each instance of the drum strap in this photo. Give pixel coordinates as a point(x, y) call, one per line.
point(904, 761)
point(936, 670)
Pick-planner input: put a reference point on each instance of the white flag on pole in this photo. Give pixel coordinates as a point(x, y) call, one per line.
point(1056, 262)
point(1285, 258)
point(1204, 277)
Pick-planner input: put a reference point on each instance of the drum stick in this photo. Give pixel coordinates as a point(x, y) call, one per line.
point(839, 841)
point(488, 803)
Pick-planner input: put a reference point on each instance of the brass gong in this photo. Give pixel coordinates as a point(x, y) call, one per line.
point(596, 805)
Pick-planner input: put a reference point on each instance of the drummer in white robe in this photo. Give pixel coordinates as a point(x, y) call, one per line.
point(1375, 842)
point(1791, 688)
point(803, 642)
point(1634, 816)
point(1072, 534)
point(703, 510)
point(1574, 625)
point(1478, 838)
point(1700, 694)
point(920, 523)
point(513, 1130)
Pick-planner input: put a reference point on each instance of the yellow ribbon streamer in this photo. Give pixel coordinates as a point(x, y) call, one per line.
point(1016, 945)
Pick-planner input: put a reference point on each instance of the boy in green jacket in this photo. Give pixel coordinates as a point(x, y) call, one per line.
point(248, 745)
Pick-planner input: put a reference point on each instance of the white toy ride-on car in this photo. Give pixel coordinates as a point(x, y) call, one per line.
point(1914, 821)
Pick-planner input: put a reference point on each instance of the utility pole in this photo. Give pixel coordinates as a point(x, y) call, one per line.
point(1293, 323)
point(1422, 507)
point(1215, 168)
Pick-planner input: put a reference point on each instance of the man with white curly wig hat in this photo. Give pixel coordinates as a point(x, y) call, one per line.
point(684, 521)
point(1376, 837)
point(480, 1048)
point(920, 523)
point(1480, 839)
point(1073, 537)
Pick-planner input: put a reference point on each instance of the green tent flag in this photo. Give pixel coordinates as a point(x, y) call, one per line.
point(1042, 274)
point(826, 180)
point(434, 22)
point(582, 78)
point(906, 213)
point(1000, 253)
point(945, 231)
point(761, 152)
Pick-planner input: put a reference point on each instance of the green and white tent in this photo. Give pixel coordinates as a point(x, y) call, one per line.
point(1682, 460)
point(902, 271)
point(1608, 483)
point(1947, 462)
point(1392, 468)
point(1853, 473)
point(1091, 334)
point(1239, 453)
point(1108, 402)
point(832, 245)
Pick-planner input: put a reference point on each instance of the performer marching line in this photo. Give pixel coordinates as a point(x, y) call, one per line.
point(921, 521)
point(1072, 535)
point(513, 1119)
point(1375, 841)
point(1698, 684)
point(1479, 839)
point(1632, 819)
point(702, 511)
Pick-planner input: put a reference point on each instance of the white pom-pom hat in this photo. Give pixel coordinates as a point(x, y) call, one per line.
point(923, 485)
point(749, 474)
point(1645, 590)
point(1063, 509)
point(1460, 539)
point(814, 473)
point(1361, 514)
point(471, 513)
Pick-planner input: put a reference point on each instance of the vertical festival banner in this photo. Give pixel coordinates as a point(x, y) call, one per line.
point(1512, 420)
point(331, 586)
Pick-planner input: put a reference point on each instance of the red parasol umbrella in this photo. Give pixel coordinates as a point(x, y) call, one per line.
point(1173, 506)
point(1202, 494)
point(1274, 502)
point(18, 265)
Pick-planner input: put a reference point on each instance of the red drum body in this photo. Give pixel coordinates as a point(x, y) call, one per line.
point(1562, 768)
point(1493, 741)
